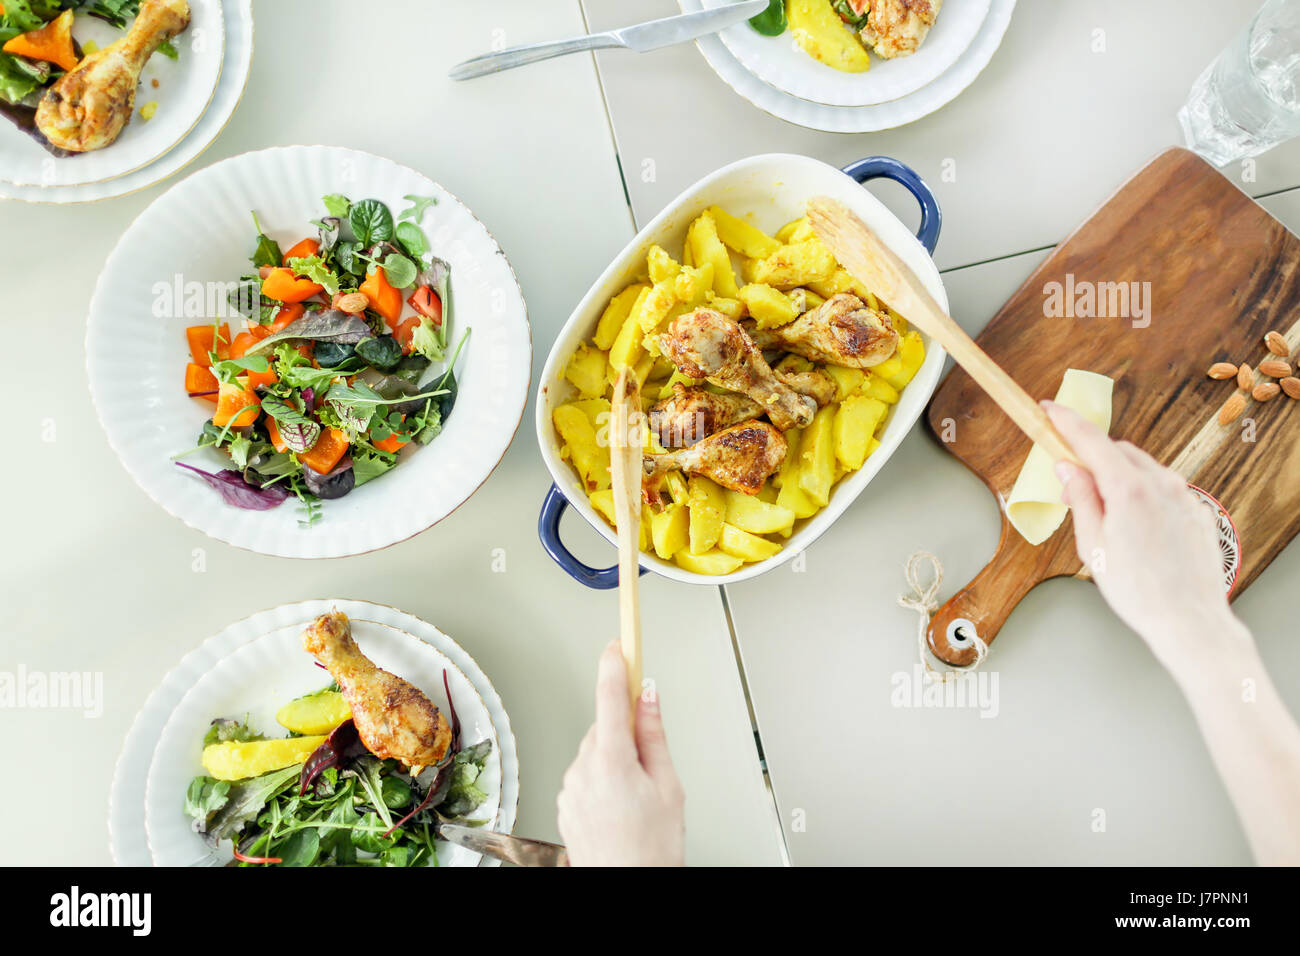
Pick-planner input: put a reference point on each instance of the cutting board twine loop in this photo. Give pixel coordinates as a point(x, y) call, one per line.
point(924, 600)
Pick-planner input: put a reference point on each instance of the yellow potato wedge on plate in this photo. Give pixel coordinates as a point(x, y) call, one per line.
point(236, 760)
point(317, 713)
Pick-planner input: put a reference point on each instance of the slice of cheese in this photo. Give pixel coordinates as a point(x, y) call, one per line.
point(1035, 508)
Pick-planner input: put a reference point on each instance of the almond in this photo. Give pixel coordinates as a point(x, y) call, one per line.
point(1291, 386)
point(1265, 391)
point(1277, 344)
point(1222, 371)
point(1246, 376)
point(352, 302)
point(1232, 409)
point(1275, 368)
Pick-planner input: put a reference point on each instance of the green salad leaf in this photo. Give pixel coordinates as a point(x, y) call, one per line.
point(371, 222)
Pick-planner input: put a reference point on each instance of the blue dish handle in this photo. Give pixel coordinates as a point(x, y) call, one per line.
point(548, 529)
point(884, 167)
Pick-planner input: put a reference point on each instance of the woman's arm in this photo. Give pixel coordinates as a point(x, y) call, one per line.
point(1150, 546)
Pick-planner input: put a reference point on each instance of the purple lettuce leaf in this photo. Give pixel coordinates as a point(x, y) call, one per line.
point(239, 493)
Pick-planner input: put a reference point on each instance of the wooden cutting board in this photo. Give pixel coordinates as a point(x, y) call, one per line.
point(1222, 272)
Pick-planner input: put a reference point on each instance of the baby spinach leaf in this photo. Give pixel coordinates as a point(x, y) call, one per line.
point(346, 255)
point(205, 796)
point(383, 352)
point(371, 222)
point(267, 252)
point(412, 240)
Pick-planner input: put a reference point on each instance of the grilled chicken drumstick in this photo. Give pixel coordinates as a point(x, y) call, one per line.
point(740, 457)
point(706, 344)
point(690, 414)
point(393, 718)
point(87, 108)
point(840, 331)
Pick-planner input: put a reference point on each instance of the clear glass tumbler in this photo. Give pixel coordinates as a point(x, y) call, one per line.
point(1248, 100)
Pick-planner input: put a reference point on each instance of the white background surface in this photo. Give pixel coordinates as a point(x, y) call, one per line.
point(95, 577)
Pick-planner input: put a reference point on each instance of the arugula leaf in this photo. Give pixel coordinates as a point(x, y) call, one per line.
point(371, 222)
point(227, 370)
point(296, 371)
point(245, 801)
point(418, 205)
point(336, 204)
point(317, 270)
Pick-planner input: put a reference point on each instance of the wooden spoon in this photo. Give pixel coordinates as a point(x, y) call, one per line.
point(868, 259)
point(625, 451)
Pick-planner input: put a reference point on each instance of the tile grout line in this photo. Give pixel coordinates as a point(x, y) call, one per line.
point(609, 121)
point(782, 844)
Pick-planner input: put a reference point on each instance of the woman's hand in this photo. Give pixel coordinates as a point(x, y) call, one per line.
point(1148, 543)
point(622, 804)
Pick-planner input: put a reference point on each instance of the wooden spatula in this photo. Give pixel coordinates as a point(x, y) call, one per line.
point(876, 266)
point(625, 453)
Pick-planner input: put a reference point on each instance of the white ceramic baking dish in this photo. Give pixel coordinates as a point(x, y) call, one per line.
point(771, 190)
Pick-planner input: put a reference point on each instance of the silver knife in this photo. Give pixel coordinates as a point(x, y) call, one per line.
point(503, 846)
point(642, 38)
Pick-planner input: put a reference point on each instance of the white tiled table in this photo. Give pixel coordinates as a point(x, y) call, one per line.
point(95, 577)
point(1087, 720)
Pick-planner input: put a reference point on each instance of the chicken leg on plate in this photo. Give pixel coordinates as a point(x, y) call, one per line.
point(840, 331)
point(707, 344)
point(88, 107)
point(393, 718)
point(689, 414)
point(740, 457)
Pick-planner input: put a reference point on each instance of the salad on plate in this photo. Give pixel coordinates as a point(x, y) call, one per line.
point(342, 362)
point(345, 787)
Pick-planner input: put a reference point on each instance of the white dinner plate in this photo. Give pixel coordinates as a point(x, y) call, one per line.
point(266, 674)
point(184, 90)
point(781, 63)
point(136, 358)
point(238, 18)
point(157, 754)
point(860, 119)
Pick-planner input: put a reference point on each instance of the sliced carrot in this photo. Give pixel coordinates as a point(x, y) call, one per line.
point(384, 299)
point(200, 382)
point(391, 443)
point(283, 286)
point(257, 379)
point(273, 430)
point(327, 452)
point(202, 339)
point(242, 343)
point(237, 405)
point(290, 313)
point(51, 43)
point(305, 248)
